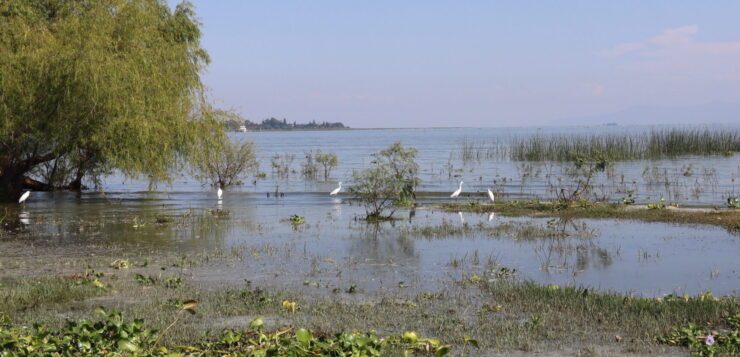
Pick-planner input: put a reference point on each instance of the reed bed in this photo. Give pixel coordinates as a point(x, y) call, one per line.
point(656, 144)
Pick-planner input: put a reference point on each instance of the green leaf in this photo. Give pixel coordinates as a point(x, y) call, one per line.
point(126, 345)
point(303, 336)
point(442, 351)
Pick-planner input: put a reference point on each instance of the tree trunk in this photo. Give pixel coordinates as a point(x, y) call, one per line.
point(76, 184)
point(11, 184)
point(31, 184)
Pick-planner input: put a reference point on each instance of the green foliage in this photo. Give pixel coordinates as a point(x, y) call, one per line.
point(277, 124)
point(733, 202)
point(628, 200)
point(328, 161)
point(302, 342)
point(656, 144)
point(309, 169)
point(112, 335)
point(93, 86)
point(222, 163)
point(705, 341)
point(391, 180)
point(85, 338)
point(583, 171)
point(296, 220)
point(281, 164)
point(144, 280)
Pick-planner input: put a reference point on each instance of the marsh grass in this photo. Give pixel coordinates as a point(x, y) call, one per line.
point(503, 314)
point(728, 219)
point(656, 144)
point(518, 230)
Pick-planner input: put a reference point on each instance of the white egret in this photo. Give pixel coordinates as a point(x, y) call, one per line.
point(219, 193)
point(24, 197)
point(24, 217)
point(490, 195)
point(457, 193)
point(336, 190)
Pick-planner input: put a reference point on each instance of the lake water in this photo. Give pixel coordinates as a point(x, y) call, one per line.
point(337, 250)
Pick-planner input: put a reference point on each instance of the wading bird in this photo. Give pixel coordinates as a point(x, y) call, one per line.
point(457, 193)
point(336, 190)
point(490, 195)
point(219, 193)
point(24, 197)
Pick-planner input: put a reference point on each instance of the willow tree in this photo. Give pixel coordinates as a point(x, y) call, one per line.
point(97, 86)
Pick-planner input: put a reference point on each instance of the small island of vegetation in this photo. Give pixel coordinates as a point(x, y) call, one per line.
point(277, 124)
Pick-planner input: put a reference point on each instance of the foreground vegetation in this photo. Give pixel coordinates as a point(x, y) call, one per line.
point(729, 219)
point(656, 144)
point(491, 311)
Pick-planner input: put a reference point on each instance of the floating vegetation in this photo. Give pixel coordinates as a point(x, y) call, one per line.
point(114, 335)
point(296, 220)
point(656, 144)
point(733, 202)
point(518, 230)
point(708, 340)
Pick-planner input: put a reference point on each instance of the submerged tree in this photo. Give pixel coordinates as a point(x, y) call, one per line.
point(389, 182)
point(328, 161)
point(222, 162)
point(314, 158)
point(87, 87)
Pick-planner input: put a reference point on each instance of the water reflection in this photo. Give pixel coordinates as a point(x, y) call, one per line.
point(608, 254)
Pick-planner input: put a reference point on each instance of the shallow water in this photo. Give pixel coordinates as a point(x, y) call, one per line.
point(336, 250)
point(688, 180)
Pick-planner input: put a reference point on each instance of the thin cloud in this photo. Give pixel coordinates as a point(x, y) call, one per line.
point(676, 51)
point(622, 49)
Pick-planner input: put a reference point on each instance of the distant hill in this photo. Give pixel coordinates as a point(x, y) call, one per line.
point(277, 124)
point(695, 114)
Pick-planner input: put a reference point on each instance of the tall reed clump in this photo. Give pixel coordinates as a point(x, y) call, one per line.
point(656, 144)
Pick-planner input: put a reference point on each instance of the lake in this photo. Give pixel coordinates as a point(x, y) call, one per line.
point(337, 249)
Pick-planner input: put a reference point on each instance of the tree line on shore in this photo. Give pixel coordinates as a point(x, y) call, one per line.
point(277, 124)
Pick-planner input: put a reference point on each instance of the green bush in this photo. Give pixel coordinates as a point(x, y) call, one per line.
point(112, 335)
point(390, 182)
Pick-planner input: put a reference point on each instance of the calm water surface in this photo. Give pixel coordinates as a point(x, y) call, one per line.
point(336, 250)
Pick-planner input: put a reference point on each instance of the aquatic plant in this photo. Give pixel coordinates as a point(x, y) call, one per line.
point(309, 169)
point(628, 200)
point(113, 335)
point(656, 144)
point(296, 220)
point(583, 171)
point(328, 162)
point(707, 340)
point(733, 202)
point(281, 164)
point(390, 182)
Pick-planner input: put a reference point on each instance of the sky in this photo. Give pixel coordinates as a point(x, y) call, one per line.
point(468, 63)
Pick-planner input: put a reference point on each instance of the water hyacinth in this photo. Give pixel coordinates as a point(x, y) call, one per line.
point(709, 340)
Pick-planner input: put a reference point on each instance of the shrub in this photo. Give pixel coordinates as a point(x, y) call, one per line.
point(390, 181)
point(328, 161)
point(226, 164)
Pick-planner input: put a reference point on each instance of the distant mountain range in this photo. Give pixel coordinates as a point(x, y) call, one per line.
point(695, 114)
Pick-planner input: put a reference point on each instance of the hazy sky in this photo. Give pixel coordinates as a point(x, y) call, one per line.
point(467, 63)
